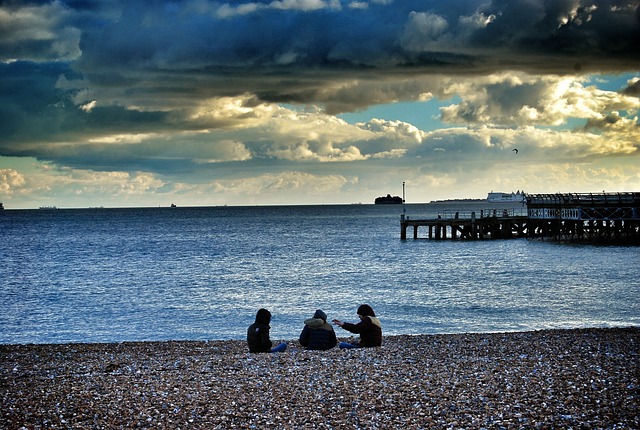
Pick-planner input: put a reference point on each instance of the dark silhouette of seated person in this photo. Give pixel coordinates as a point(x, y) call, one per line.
point(317, 334)
point(258, 334)
point(369, 328)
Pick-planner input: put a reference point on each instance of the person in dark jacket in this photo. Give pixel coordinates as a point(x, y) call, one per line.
point(369, 328)
point(258, 334)
point(317, 334)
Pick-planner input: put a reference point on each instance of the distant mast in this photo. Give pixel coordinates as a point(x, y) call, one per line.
point(404, 210)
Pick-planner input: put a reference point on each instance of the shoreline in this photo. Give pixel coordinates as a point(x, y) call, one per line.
point(585, 377)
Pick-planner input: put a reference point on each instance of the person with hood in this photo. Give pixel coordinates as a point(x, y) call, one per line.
point(258, 334)
point(369, 328)
point(317, 334)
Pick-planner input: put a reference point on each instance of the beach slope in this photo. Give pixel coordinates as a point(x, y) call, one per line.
point(584, 378)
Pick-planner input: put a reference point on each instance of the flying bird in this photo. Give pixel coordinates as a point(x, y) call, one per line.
point(515, 150)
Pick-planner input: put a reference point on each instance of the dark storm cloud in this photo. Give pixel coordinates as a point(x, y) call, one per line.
point(295, 51)
point(575, 29)
point(33, 107)
point(184, 35)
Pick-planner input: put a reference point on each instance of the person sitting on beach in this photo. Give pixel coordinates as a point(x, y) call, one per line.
point(317, 334)
point(369, 328)
point(258, 334)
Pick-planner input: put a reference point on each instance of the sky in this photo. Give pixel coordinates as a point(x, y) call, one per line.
point(128, 103)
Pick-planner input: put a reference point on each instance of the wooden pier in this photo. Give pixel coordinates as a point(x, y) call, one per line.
point(474, 225)
point(604, 218)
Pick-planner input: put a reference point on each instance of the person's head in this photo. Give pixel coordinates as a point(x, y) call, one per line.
point(366, 311)
point(263, 316)
point(320, 314)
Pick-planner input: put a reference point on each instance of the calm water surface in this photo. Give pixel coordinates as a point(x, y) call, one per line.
point(109, 275)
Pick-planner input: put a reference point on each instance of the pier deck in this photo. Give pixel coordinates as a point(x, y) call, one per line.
point(491, 227)
point(606, 217)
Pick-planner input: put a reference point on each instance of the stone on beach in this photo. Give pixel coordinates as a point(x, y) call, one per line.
point(582, 378)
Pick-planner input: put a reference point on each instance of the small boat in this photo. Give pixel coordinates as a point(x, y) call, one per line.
point(1, 206)
point(173, 205)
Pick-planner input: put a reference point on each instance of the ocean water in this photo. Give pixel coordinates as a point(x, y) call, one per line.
point(197, 273)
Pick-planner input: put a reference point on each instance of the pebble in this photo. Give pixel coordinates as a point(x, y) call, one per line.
point(583, 378)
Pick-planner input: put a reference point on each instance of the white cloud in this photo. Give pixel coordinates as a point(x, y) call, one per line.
point(10, 181)
point(520, 99)
point(358, 5)
point(316, 151)
point(304, 5)
point(223, 151)
point(268, 188)
point(41, 29)
point(88, 107)
point(65, 187)
point(231, 111)
point(120, 139)
point(288, 182)
point(481, 151)
point(477, 20)
point(228, 10)
point(398, 131)
point(424, 31)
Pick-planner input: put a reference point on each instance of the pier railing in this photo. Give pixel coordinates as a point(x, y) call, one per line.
point(483, 213)
point(584, 199)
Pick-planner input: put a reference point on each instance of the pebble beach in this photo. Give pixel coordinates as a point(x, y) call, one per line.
point(578, 378)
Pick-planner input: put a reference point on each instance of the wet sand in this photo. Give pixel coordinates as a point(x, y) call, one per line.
point(586, 378)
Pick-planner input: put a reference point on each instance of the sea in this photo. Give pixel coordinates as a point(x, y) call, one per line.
point(201, 273)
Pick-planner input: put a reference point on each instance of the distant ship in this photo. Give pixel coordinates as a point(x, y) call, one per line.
point(48, 208)
point(1, 206)
point(517, 197)
point(388, 200)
